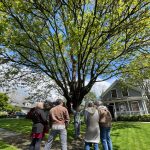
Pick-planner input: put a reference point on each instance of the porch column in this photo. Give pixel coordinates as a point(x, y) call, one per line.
point(115, 111)
point(146, 111)
point(144, 107)
point(129, 107)
point(141, 112)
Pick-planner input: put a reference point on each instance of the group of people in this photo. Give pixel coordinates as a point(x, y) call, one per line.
point(98, 125)
point(97, 119)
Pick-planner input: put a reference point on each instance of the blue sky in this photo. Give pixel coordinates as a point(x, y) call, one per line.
point(100, 87)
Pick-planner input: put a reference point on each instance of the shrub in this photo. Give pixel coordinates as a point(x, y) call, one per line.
point(144, 118)
point(3, 114)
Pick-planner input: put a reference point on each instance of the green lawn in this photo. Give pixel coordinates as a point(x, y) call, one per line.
point(17, 125)
point(131, 136)
point(125, 135)
point(5, 146)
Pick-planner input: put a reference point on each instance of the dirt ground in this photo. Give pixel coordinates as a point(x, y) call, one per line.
point(22, 141)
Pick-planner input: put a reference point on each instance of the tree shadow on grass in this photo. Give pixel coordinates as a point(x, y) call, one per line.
point(115, 134)
point(17, 125)
point(22, 141)
point(19, 141)
point(74, 145)
point(115, 147)
point(4, 145)
point(124, 125)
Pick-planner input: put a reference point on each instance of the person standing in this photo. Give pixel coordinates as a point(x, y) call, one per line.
point(38, 117)
point(105, 127)
point(92, 135)
point(59, 119)
point(77, 120)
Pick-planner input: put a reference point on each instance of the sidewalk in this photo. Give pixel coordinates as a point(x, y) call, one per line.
point(22, 142)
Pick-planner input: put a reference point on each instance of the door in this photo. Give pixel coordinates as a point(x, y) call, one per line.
point(111, 109)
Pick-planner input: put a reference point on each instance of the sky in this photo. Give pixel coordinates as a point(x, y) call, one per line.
point(100, 87)
point(18, 96)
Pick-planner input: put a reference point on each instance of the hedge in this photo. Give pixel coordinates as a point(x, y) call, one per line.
point(143, 118)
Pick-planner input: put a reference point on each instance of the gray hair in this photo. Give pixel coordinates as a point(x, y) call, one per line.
point(97, 103)
point(59, 101)
point(40, 105)
point(90, 104)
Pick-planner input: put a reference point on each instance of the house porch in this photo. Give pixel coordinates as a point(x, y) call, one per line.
point(127, 107)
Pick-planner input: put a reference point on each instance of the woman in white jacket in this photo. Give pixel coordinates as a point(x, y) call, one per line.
point(92, 135)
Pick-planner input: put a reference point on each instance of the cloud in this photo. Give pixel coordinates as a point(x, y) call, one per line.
point(99, 87)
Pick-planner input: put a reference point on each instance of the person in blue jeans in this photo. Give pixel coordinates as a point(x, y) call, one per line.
point(89, 145)
point(77, 120)
point(92, 134)
point(105, 138)
point(105, 128)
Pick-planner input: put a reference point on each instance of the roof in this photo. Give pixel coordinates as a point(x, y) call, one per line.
point(114, 83)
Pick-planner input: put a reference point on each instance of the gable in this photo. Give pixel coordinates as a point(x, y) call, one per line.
point(121, 91)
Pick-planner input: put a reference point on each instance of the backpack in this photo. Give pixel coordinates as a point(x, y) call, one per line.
point(105, 116)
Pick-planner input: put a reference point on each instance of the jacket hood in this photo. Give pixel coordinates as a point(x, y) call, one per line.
point(91, 110)
point(102, 107)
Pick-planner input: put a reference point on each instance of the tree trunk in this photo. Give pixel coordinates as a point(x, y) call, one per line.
point(76, 94)
point(75, 100)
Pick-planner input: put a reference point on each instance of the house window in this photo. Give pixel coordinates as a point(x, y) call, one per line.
point(122, 107)
point(135, 106)
point(113, 93)
point(125, 92)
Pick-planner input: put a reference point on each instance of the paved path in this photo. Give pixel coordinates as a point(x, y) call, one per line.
point(22, 141)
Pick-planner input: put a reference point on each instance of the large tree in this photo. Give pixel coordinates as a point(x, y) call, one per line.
point(137, 73)
point(91, 96)
point(73, 41)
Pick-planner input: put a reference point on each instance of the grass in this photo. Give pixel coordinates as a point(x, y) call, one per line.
point(18, 125)
point(131, 136)
point(125, 135)
point(6, 146)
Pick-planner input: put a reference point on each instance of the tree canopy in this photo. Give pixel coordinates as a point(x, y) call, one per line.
point(73, 40)
point(91, 96)
point(3, 101)
point(138, 73)
point(35, 86)
point(5, 105)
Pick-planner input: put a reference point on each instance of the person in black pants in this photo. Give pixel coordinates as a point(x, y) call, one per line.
point(40, 124)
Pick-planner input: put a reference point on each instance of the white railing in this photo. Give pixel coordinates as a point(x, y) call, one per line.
point(142, 112)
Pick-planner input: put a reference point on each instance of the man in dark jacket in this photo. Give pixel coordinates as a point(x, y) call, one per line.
point(38, 117)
